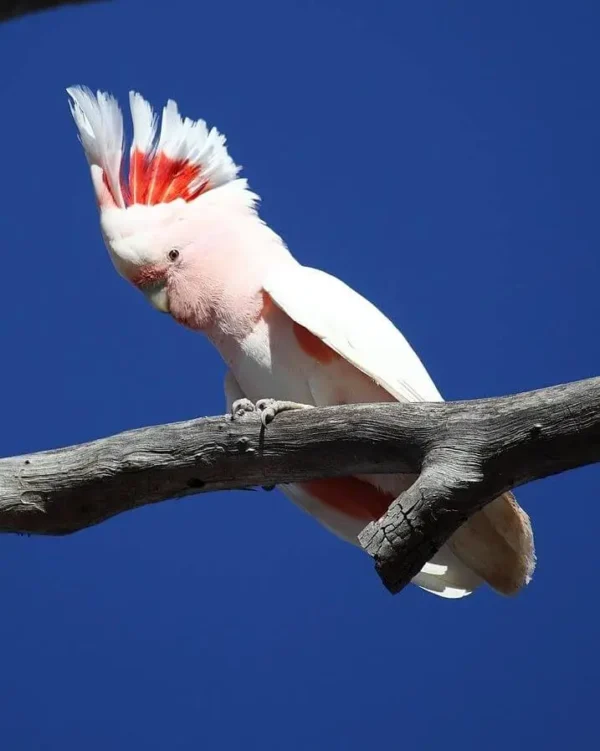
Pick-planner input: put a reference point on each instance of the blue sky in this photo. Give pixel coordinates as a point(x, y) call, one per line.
point(443, 159)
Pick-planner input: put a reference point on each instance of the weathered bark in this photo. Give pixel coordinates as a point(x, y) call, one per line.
point(465, 453)
point(482, 449)
point(15, 8)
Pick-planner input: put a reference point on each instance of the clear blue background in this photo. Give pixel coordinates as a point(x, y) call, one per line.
point(442, 158)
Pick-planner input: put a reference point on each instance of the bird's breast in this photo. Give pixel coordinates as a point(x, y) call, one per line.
point(281, 359)
point(270, 362)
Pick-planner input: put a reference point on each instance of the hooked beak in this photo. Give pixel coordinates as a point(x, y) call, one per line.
point(157, 296)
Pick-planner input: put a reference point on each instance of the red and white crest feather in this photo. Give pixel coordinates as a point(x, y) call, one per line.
point(186, 161)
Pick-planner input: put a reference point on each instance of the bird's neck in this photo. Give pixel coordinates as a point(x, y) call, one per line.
point(241, 299)
point(221, 294)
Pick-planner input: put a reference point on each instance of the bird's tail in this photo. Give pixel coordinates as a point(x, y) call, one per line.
point(497, 544)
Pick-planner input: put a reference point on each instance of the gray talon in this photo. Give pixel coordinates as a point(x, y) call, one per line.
point(268, 408)
point(240, 408)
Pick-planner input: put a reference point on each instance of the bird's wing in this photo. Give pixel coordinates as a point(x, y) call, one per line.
point(354, 328)
point(497, 542)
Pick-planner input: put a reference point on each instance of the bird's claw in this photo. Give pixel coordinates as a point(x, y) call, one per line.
point(240, 408)
point(268, 408)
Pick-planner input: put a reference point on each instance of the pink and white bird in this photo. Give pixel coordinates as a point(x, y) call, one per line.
point(183, 228)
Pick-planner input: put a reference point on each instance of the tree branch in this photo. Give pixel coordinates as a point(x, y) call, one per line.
point(483, 449)
point(465, 453)
point(10, 9)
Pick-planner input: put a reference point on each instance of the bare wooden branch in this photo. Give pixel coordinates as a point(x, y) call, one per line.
point(465, 454)
point(482, 449)
point(10, 9)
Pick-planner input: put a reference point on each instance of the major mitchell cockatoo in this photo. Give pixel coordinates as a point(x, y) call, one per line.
point(184, 229)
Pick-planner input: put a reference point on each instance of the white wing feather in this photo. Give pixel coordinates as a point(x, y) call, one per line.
point(361, 334)
point(353, 327)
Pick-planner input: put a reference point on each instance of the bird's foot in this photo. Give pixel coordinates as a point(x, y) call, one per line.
point(268, 408)
point(240, 408)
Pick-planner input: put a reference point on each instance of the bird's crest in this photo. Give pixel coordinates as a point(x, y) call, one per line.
point(184, 161)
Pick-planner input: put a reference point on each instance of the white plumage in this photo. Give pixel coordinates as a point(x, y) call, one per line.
point(286, 331)
point(186, 143)
point(145, 124)
point(355, 329)
point(100, 124)
point(366, 339)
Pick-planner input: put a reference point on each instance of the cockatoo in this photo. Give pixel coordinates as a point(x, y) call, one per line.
point(183, 228)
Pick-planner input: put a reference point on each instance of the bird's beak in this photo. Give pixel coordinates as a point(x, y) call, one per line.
point(157, 295)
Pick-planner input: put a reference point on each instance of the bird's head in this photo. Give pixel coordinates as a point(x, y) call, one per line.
point(166, 214)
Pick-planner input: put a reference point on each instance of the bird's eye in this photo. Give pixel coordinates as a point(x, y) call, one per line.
point(173, 254)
